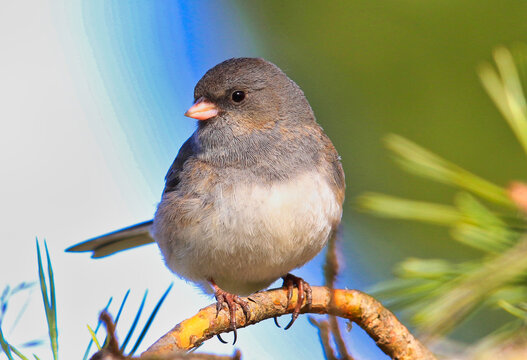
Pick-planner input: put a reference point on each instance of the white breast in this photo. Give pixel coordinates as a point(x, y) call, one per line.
point(250, 235)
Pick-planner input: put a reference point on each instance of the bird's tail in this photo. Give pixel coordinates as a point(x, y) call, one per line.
point(116, 241)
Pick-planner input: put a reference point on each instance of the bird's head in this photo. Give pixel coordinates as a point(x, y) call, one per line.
point(247, 94)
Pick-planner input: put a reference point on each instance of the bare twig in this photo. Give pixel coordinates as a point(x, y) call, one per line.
point(113, 345)
point(331, 266)
point(390, 335)
point(324, 334)
point(339, 340)
point(111, 350)
point(331, 270)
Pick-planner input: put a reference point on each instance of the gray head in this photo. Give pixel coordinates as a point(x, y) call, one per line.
point(250, 93)
point(252, 115)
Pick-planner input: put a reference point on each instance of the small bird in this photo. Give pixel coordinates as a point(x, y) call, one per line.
point(255, 192)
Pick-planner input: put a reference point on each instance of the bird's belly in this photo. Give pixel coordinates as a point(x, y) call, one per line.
point(246, 236)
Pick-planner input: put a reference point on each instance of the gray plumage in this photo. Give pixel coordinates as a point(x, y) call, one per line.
point(256, 191)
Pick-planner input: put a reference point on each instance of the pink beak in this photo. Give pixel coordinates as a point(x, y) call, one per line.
point(202, 110)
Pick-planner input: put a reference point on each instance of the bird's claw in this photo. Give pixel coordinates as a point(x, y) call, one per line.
point(276, 322)
point(232, 301)
point(304, 292)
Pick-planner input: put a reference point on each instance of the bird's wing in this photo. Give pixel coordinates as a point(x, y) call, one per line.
point(116, 241)
point(139, 234)
point(172, 176)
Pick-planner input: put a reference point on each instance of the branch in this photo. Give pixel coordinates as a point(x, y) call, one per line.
point(390, 335)
point(111, 349)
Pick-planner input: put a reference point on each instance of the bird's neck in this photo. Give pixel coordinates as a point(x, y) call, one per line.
point(273, 153)
point(232, 145)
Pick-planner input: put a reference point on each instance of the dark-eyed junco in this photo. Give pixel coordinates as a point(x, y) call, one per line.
point(254, 193)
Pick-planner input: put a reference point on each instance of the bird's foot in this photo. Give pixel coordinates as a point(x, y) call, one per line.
point(304, 291)
point(232, 301)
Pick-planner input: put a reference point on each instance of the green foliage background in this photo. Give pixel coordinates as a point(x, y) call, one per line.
point(407, 67)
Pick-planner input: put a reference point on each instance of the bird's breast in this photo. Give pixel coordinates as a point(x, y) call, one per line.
point(246, 232)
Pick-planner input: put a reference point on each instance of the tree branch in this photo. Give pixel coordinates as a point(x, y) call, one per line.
point(111, 349)
point(390, 335)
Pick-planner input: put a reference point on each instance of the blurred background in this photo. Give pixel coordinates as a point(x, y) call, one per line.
point(92, 102)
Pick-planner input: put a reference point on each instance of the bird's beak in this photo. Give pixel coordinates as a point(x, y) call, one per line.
point(202, 110)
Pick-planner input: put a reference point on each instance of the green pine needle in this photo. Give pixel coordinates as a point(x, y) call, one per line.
point(472, 288)
point(134, 323)
point(438, 293)
point(18, 353)
point(94, 337)
point(426, 269)
point(150, 320)
point(394, 207)
point(518, 311)
point(87, 351)
point(5, 345)
point(505, 89)
point(422, 162)
point(49, 301)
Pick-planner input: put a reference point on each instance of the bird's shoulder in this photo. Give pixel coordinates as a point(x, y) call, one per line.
point(332, 164)
point(313, 147)
point(172, 178)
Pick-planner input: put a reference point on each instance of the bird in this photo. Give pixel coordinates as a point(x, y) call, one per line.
point(254, 193)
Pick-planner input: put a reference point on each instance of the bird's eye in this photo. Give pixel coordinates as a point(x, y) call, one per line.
point(238, 96)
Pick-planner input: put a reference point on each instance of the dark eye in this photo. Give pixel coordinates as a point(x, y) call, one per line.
point(238, 96)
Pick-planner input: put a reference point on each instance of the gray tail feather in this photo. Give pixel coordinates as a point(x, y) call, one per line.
point(116, 241)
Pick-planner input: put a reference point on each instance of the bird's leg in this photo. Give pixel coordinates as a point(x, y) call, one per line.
point(304, 291)
point(231, 300)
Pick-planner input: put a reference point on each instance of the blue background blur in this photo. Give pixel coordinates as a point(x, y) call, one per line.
point(92, 100)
